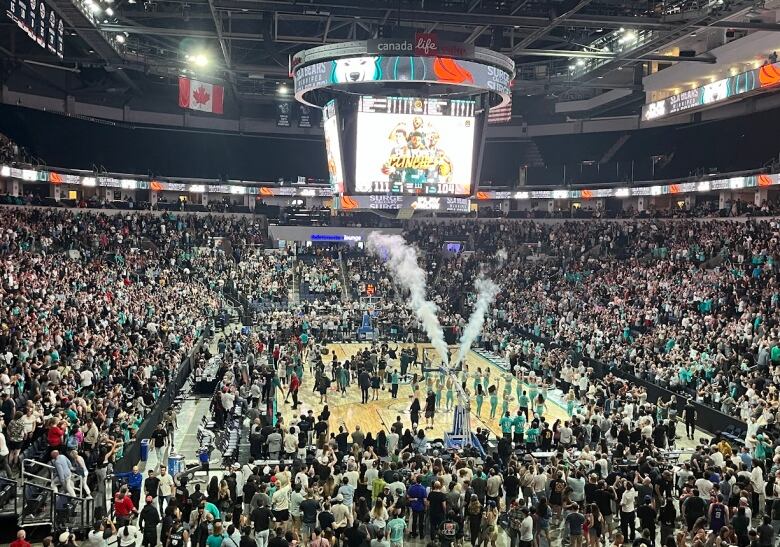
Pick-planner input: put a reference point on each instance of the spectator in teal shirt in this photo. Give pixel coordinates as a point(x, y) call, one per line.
point(519, 425)
point(395, 529)
point(530, 437)
point(506, 425)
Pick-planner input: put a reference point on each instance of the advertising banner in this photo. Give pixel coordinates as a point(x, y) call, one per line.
point(757, 79)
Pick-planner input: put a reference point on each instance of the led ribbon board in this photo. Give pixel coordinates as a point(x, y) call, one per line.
point(758, 79)
point(352, 66)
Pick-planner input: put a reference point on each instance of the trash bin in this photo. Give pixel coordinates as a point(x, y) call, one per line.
point(175, 464)
point(144, 449)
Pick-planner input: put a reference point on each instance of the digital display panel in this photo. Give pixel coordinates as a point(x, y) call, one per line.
point(414, 146)
point(39, 22)
point(333, 148)
point(764, 77)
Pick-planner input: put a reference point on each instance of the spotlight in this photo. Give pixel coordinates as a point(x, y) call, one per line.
point(94, 8)
point(282, 89)
point(109, 12)
point(198, 60)
point(580, 62)
point(120, 38)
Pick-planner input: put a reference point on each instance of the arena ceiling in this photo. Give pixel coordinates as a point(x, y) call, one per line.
point(563, 48)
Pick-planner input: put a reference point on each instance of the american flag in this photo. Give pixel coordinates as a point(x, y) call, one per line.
point(501, 114)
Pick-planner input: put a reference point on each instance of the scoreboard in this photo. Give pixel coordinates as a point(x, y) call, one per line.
point(39, 22)
point(414, 105)
point(414, 146)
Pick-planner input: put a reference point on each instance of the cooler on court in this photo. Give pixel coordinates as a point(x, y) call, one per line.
point(175, 464)
point(144, 449)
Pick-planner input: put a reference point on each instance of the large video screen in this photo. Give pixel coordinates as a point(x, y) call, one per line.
point(330, 127)
point(411, 145)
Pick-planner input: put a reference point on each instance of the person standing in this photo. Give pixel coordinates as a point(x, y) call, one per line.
point(364, 381)
point(64, 472)
point(437, 508)
point(575, 521)
point(166, 488)
point(261, 519)
point(516, 516)
point(295, 385)
point(414, 412)
point(628, 512)
point(395, 529)
point(689, 413)
point(147, 522)
point(430, 410)
point(134, 480)
point(394, 379)
point(160, 439)
point(417, 495)
point(21, 540)
point(647, 516)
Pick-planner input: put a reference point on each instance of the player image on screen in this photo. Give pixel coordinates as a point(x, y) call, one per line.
point(414, 154)
point(415, 157)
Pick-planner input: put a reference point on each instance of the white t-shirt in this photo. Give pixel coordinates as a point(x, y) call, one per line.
point(129, 539)
point(3, 446)
point(628, 500)
point(527, 529)
point(166, 485)
point(86, 378)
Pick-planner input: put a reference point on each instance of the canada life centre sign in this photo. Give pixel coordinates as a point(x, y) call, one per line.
point(424, 44)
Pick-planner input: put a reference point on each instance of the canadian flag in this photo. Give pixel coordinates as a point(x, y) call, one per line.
point(201, 96)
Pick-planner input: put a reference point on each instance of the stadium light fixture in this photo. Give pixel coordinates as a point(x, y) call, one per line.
point(282, 89)
point(199, 59)
point(109, 12)
point(93, 7)
point(120, 38)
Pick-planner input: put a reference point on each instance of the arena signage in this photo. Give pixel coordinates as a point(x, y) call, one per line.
point(420, 203)
point(765, 77)
point(39, 22)
point(335, 74)
point(422, 45)
point(336, 237)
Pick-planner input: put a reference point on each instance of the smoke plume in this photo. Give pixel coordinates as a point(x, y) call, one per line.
point(486, 293)
point(401, 259)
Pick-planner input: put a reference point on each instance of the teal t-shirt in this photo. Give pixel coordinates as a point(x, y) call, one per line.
point(531, 435)
point(519, 423)
point(396, 529)
point(506, 424)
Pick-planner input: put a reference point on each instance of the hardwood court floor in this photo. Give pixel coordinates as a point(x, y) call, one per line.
point(381, 414)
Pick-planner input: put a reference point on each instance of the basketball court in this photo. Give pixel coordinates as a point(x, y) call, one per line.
point(382, 413)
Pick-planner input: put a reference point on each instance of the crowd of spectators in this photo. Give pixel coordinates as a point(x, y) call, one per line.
point(9, 150)
point(687, 304)
point(607, 475)
point(91, 333)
